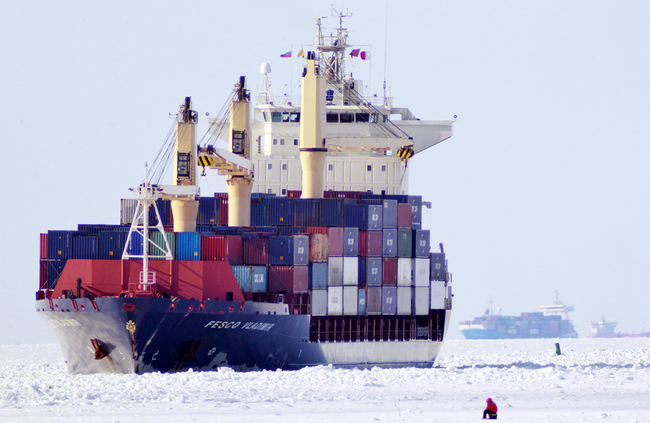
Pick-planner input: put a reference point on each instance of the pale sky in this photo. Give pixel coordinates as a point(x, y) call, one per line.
point(543, 187)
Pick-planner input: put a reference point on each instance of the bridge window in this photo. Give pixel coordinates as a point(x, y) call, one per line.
point(294, 117)
point(281, 141)
point(363, 117)
point(276, 116)
point(332, 118)
point(295, 142)
point(346, 118)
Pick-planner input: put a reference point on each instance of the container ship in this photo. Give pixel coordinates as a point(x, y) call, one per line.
point(605, 329)
point(552, 321)
point(316, 255)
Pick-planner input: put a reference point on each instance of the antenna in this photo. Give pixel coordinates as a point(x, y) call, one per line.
point(385, 52)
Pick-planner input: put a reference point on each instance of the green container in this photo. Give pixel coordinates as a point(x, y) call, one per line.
point(404, 243)
point(156, 237)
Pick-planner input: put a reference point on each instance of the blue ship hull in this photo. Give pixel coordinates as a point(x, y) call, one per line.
point(139, 335)
point(493, 334)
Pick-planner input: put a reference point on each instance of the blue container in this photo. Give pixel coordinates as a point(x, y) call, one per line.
point(259, 214)
point(111, 244)
point(362, 301)
point(225, 230)
point(375, 217)
point(438, 266)
point(280, 251)
point(389, 300)
point(416, 211)
point(289, 230)
point(208, 211)
point(356, 216)
point(243, 276)
point(300, 250)
point(421, 243)
point(400, 198)
point(265, 229)
point(207, 230)
point(350, 242)
point(165, 210)
point(289, 251)
point(318, 276)
point(390, 213)
point(96, 229)
point(374, 273)
point(85, 247)
point(135, 244)
point(331, 212)
point(306, 213)
point(250, 235)
point(259, 279)
point(54, 270)
point(188, 246)
point(389, 248)
point(363, 263)
point(59, 244)
point(280, 211)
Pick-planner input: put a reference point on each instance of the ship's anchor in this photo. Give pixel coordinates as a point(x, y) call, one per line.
point(100, 349)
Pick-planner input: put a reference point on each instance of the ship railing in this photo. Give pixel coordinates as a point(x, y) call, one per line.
point(293, 100)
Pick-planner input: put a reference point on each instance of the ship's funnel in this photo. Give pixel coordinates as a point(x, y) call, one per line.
point(312, 141)
point(185, 209)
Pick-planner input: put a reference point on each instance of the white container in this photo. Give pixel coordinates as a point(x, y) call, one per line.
point(335, 271)
point(404, 272)
point(319, 302)
point(422, 272)
point(351, 271)
point(335, 301)
point(437, 295)
point(404, 300)
point(421, 297)
point(350, 300)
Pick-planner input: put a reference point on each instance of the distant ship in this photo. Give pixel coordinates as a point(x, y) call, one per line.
point(605, 329)
point(551, 321)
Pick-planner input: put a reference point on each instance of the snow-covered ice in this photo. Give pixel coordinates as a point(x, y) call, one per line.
point(594, 380)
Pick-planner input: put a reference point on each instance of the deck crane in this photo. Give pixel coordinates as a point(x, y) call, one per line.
point(235, 163)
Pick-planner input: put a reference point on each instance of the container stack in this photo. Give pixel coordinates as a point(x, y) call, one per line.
point(348, 254)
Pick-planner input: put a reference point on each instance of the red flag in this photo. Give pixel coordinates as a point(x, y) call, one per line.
point(355, 53)
point(365, 55)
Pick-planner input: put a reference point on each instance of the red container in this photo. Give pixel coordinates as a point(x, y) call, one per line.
point(341, 194)
point(404, 215)
point(223, 209)
point(390, 271)
point(375, 243)
point(373, 300)
point(43, 246)
point(256, 251)
point(213, 248)
point(289, 278)
point(363, 243)
point(336, 242)
point(318, 248)
point(234, 249)
point(316, 230)
point(294, 194)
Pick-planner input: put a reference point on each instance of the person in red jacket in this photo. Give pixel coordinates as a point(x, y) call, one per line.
point(490, 410)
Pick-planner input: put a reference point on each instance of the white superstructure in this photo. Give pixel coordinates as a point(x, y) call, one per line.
point(362, 136)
